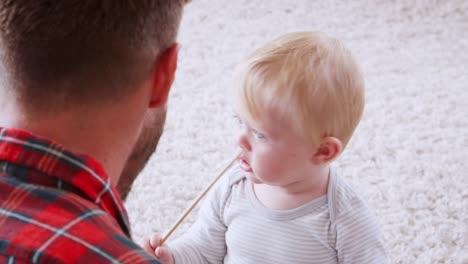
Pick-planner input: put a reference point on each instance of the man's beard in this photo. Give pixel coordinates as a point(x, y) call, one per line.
point(145, 146)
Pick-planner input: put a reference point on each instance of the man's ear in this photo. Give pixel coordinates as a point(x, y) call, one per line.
point(329, 149)
point(163, 76)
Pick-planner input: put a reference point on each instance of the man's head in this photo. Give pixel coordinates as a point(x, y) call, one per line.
point(309, 80)
point(82, 72)
point(85, 52)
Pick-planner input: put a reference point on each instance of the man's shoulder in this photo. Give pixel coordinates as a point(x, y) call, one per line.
point(46, 225)
point(64, 254)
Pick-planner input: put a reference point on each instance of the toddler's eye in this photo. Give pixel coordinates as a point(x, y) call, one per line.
point(258, 134)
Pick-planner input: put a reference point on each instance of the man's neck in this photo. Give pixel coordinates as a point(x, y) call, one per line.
point(106, 135)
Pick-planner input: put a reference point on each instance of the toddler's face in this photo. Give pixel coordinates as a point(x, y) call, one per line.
point(272, 153)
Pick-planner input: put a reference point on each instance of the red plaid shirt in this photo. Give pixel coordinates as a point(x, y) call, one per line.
point(59, 207)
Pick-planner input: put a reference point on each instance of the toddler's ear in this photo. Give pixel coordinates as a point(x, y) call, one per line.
point(329, 149)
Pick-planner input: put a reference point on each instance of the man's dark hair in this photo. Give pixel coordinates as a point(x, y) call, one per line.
point(82, 52)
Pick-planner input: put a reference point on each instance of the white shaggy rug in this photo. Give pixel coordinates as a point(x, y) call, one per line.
point(409, 155)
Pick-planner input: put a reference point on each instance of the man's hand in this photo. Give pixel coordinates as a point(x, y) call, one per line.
point(162, 253)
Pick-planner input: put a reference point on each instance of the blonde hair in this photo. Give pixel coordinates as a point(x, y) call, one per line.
point(308, 79)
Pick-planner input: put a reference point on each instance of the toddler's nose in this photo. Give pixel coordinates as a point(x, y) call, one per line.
point(244, 142)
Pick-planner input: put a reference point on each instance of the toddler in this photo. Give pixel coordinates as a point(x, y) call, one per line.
point(299, 99)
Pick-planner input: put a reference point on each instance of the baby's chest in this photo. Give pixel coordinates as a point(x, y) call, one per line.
point(253, 238)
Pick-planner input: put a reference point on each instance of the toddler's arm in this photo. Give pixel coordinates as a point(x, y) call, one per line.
point(204, 243)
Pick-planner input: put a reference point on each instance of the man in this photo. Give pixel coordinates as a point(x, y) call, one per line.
point(77, 79)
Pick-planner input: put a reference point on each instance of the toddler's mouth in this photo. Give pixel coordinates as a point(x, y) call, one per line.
point(245, 166)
